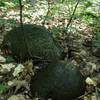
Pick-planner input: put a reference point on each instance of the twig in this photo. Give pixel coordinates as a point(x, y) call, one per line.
point(21, 13)
point(65, 32)
point(70, 20)
point(43, 23)
point(22, 29)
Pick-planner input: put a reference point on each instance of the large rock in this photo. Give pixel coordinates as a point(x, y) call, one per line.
point(35, 41)
point(59, 81)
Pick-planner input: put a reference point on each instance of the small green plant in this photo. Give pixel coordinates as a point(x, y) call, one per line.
point(3, 88)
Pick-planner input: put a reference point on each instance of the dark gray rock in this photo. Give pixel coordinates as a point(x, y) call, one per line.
point(59, 81)
point(33, 41)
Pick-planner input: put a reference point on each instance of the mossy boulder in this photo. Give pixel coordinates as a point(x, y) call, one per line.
point(59, 81)
point(33, 41)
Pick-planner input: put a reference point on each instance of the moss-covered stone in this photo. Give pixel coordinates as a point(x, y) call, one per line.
point(34, 41)
point(59, 81)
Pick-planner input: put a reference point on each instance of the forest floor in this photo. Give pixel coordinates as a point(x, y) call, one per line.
point(14, 76)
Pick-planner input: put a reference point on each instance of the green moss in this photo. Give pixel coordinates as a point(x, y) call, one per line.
point(34, 41)
point(59, 81)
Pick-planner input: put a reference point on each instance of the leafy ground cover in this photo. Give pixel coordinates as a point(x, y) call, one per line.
point(83, 42)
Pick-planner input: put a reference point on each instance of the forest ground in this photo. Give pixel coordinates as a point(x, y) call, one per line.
point(79, 43)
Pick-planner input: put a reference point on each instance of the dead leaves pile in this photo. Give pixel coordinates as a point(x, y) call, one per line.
point(16, 77)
